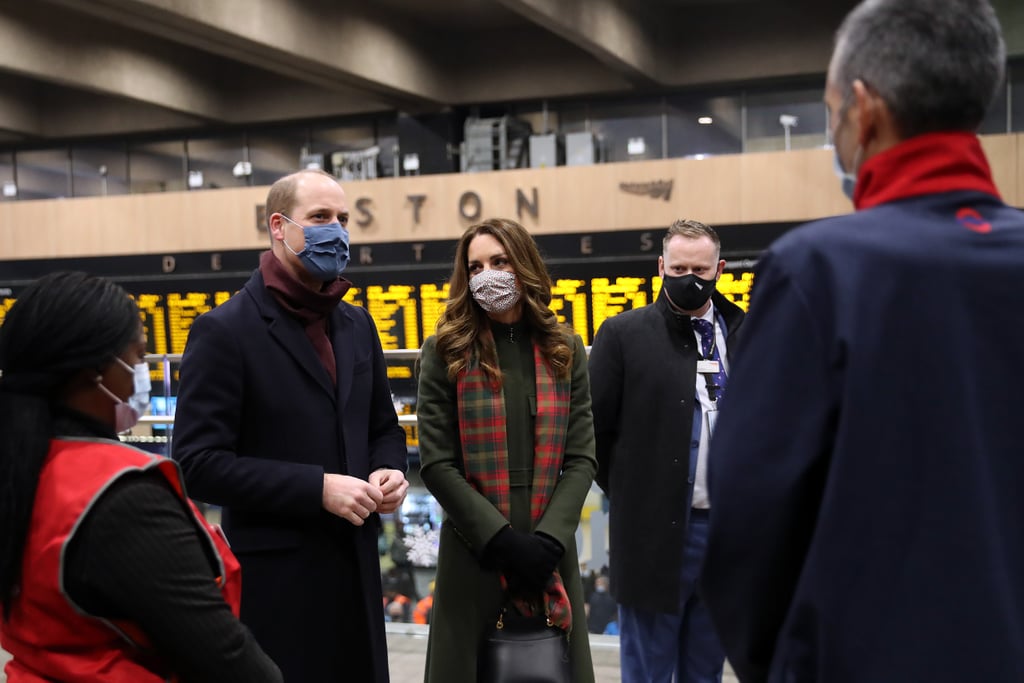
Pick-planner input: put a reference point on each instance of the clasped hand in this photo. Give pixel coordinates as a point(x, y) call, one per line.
point(526, 560)
point(355, 500)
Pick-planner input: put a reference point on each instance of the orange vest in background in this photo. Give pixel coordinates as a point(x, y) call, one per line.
point(423, 607)
point(48, 636)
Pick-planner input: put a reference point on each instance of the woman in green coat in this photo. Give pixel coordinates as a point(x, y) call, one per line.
point(507, 448)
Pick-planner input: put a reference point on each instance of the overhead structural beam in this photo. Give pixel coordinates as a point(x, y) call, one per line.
point(87, 57)
point(18, 111)
point(614, 34)
point(326, 44)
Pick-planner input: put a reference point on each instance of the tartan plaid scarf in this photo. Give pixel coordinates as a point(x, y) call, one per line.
point(482, 426)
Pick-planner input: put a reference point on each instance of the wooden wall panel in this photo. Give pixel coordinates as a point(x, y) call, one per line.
point(790, 186)
point(1004, 158)
point(1020, 173)
point(735, 189)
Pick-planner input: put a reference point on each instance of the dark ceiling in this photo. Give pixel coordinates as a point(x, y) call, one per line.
point(75, 68)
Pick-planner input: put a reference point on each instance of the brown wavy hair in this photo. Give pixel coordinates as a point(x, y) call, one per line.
point(463, 330)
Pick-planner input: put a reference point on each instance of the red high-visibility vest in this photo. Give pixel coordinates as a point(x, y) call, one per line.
point(49, 637)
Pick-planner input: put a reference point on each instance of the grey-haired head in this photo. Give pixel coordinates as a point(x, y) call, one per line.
point(937, 64)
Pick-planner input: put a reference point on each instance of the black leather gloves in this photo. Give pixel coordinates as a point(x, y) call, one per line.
point(527, 560)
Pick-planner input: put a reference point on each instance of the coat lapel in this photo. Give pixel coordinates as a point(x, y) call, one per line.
point(288, 333)
point(341, 340)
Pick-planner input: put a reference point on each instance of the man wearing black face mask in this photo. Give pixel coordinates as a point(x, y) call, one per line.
point(657, 375)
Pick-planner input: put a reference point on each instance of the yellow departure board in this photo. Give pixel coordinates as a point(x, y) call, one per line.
point(353, 296)
point(394, 310)
point(736, 287)
point(404, 299)
point(182, 309)
point(432, 302)
point(153, 309)
point(611, 297)
point(5, 305)
point(569, 302)
point(406, 313)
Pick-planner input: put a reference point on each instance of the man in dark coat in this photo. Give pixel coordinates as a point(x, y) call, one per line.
point(656, 374)
point(285, 419)
point(867, 469)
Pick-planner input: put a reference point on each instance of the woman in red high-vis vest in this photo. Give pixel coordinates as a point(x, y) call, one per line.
point(107, 572)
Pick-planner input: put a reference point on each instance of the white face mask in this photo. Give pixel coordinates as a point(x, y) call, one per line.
point(494, 290)
point(127, 414)
point(140, 399)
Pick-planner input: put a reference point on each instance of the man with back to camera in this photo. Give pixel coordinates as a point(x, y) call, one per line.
point(867, 468)
point(285, 419)
point(657, 374)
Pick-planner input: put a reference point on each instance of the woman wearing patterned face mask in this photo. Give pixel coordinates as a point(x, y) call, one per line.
point(507, 448)
point(106, 571)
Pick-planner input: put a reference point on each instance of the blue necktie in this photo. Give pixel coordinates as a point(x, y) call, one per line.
point(709, 351)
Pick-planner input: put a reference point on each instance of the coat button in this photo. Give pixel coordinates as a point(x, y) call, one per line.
point(673, 522)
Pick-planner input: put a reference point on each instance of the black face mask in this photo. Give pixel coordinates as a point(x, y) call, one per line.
point(688, 292)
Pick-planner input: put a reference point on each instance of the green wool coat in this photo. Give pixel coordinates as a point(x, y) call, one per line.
point(466, 597)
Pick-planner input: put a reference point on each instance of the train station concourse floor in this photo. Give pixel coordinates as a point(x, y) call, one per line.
point(407, 648)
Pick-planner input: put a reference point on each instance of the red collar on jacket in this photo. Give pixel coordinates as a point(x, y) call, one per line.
point(925, 164)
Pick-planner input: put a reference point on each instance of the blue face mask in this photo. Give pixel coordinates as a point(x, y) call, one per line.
point(325, 253)
point(847, 180)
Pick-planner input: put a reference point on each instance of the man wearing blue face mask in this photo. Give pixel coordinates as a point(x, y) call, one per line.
point(867, 469)
point(285, 419)
point(657, 376)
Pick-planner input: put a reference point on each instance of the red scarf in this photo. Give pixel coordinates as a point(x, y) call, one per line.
point(482, 428)
point(305, 305)
point(925, 164)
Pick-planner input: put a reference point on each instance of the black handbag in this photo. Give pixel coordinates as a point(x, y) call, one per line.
point(524, 650)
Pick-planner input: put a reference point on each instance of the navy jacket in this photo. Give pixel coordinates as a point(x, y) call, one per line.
point(258, 423)
point(867, 469)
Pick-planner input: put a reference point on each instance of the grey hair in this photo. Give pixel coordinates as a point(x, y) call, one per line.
point(690, 229)
point(937, 64)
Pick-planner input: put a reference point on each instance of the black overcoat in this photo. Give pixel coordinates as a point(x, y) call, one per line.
point(258, 423)
point(643, 369)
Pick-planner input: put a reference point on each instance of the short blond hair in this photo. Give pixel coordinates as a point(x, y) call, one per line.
point(692, 230)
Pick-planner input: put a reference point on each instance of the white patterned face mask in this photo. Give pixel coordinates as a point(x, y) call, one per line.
point(494, 290)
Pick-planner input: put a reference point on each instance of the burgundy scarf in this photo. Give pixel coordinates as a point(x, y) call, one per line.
point(308, 307)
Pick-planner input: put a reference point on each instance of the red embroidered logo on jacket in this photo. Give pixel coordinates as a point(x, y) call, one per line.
point(973, 221)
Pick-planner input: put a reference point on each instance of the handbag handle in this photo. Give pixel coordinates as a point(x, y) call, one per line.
point(501, 619)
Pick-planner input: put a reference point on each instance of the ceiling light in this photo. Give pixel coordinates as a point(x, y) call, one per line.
point(705, 120)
